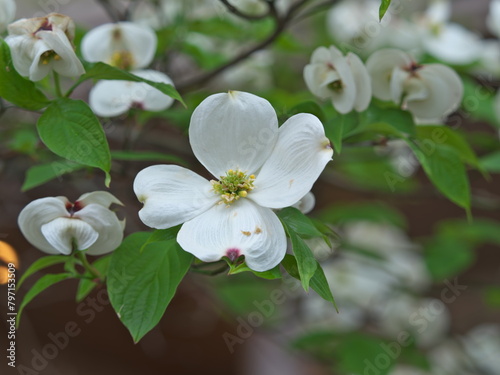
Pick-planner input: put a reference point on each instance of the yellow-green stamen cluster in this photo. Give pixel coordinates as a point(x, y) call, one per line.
point(49, 55)
point(122, 59)
point(233, 186)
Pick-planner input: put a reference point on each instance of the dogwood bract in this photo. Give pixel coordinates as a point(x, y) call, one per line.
point(428, 91)
point(259, 167)
point(56, 226)
point(125, 45)
point(113, 98)
point(7, 13)
point(39, 45)
point(344, 80)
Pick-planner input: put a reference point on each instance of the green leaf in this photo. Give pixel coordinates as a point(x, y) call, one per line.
point(271, 274)
point(70, 129)
point(308, 107)
point(145, 156)
point(101, 70)
point(43, 283)
point(15, 88)
point(40, 174)
point(444, 168)
point(383, 8)
point(87, 285)
point(142, 284)
point(339, 126)
point(306, 263)
point(479, 101)
point(387, 121)
point(440, 134)
point(318, 282)
point(446, 256)
point(370, 211)
point(475, 233)
point(491, 162)
point(492, 296)
point(40, 264)
point(160, 235)
point(299, 223)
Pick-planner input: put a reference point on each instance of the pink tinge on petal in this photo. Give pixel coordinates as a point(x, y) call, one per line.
point(74, 207)
point(233, 254)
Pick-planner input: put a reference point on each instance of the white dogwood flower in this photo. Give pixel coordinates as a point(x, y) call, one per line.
point(428, 91)
point(7, 13)
point(113, 98)
point(344, 80)
point(125, 45)
point(40, 45)
point(493, 18)
point(56, 226)
point(259, 167)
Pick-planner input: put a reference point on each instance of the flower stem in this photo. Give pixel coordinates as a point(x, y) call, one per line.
point(85, 263)
point(57, 85)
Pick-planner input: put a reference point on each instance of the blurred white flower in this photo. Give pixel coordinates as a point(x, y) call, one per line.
point(489, 58)
point(113, 98)
point(40, 45)
point(344, 80)
point(426, 319)
point(400, 257)
point(7, 13)
point(493, 18)
point(482, 344)
point(428, 91)
point(400, 156)
point(125, 45)
point(318, 314)
point(449, 358)
point(56, 226)
point(306, 203)
point(449, 42)
point(236, 137)
point(407, 370)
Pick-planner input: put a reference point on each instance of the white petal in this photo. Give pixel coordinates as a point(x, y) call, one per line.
point(415, 89)
point(380, 66)
point(21, 49)
point(362, 81)
point(299, 157)
point(111, 98)
point(243, 228)
point(38, 70)
point(100, 43)
point(38, 213)
point(343, 99)
point(317, 78)
point(397, 84)
point(306, 203)
point(171, 195)
point(63, 232)
point(103, 198)
point(105, 223)
point(236, 130)
point(68, 65)
point(7, 13)
point(445, 92)
point(150, 98)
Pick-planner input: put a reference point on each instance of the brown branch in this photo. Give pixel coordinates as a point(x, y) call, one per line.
point(249, 17)
point(281, 24)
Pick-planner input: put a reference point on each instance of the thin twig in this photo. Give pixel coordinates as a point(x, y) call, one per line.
point(281, 24)
point(249, 17)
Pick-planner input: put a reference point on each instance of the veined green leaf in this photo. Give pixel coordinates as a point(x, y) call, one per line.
point(40, 174)
point(70, 129)
point(40, 264)
point(141, 284)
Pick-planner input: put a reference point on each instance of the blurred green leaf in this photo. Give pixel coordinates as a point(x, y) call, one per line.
point(24, 141)
point(479, 101)
point(40, 264)
point(145, 156)
point(477, 232)
point(43, 283)
point(446, 256)
point(16, 89)
point(309, 107)
point(271, 274)
point(363, 211)
point(491, 162)
point(40, 174)
point(492, 296)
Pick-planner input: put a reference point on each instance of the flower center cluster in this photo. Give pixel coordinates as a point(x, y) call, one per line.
point(122, 59)
point(47, 56)
point(233, 186)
